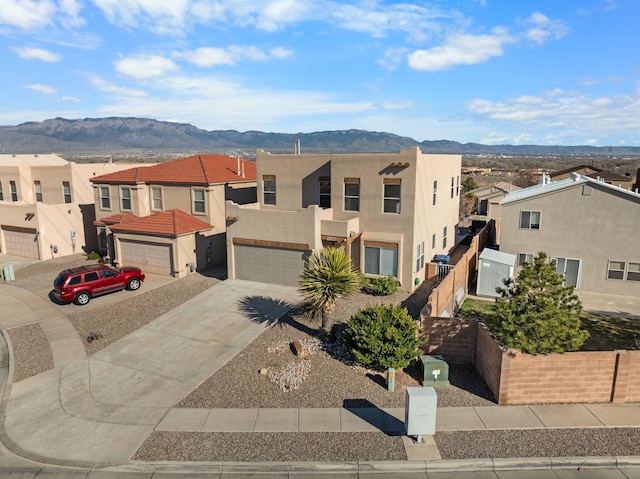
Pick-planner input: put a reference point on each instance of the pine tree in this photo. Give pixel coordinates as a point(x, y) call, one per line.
point(536, 313)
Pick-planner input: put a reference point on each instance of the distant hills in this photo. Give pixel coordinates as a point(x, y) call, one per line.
point(148, 138)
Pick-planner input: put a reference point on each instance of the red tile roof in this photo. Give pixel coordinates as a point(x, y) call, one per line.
point(194, 170)
point(116, 219)
point(166, 223)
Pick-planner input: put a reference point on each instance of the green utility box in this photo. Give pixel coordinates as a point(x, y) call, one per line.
point(435, 371)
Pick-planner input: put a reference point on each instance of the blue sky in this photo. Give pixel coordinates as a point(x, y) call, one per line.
point(558, 72)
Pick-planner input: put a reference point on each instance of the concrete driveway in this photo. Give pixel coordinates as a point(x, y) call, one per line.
point(99, 410)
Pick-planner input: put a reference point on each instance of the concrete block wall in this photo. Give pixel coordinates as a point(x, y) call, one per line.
point(453, 339)
point(627, 385)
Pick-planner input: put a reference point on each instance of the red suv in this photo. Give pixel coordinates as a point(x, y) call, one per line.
point(84, 282)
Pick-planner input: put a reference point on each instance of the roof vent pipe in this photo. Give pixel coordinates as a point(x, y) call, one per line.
point(238, 167)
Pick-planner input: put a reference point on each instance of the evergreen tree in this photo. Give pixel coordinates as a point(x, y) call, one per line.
point(536, 313)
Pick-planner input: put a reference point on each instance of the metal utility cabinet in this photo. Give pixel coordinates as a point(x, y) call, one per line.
point(420, 411)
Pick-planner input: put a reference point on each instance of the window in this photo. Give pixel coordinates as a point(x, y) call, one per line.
point(93, 276)
point(433, 241)
point(198, 201)
point(633, 272)
point(14, 191)
point(156, 198)
point(453, 186)
point(125, 198)
point(325, 191)
point(352, 194)
point(569, 268)
point(616, 270)
point(444, 237)
point(1, 196)
point(458, 186)
point(105, 199)
point(66, 191)
point(37, 188)
point(524, 258)
point(435, 192)
point(419, 256)
point(530, 220)
point(381, 259)
point(269, 189)
point(391, 201)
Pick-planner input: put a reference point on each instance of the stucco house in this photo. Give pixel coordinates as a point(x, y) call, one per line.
point(47, 206)
point(588, 226)
point(488, 198)
point(169, 218)
point(391, 212)
point(595, 173)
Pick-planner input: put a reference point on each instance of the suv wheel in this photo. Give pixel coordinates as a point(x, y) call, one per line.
point(82, 298)
point(133, 284)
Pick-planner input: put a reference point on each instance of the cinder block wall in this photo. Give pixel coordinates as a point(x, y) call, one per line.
point(453, 339)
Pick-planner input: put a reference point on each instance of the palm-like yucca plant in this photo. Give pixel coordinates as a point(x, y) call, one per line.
point(328, 275)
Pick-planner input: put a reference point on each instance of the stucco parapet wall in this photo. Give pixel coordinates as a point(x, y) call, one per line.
point(340, 229)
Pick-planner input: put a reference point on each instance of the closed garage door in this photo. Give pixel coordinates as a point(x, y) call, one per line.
point(269, 265)
point(149, 257)
point(21, 243)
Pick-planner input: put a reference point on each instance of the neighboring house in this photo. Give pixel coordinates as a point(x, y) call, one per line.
point(169, 218)
point(625, 182)
point(588, 226)
point(488, 198)
point(391, 212)
point(46, 205)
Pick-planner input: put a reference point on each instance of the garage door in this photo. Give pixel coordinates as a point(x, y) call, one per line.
point(21, 244)
point(269, 265)
point(149, 257)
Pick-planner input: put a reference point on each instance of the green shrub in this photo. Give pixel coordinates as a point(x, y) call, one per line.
point(93, 256)
point(363, 281)
point(383, 286)
point(382, 337)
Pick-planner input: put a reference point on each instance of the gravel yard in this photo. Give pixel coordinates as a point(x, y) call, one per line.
point(321, 377)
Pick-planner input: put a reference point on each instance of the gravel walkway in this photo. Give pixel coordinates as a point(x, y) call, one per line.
point(329, 381)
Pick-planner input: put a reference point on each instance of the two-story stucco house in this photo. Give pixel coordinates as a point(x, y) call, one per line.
point(46, 205)
point(169, 218)
point(588, 226)
point(391, 212)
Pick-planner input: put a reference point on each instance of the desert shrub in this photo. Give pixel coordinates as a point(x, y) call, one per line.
point(383, 286)
point(363, 281)
point(93, 256)
point(382, 336)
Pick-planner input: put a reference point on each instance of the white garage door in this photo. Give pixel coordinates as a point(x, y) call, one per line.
point(21, 244)
point(269, 265)
point(149, 257)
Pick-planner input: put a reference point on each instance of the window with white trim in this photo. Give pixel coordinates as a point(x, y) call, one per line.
point(352, 194)
point(156, 198)
point(391, 201)
point(324, 184)
point(633, 271)
point(458, 186)
point(14, 190)
point(105, 198)
point(530, 220)
point(433, 241)
point(37, 188)
point(125, 198)
point(198, 201)
point(269, 189)
point(524, 258)
point(616, 269)
point(435, 192)
point(444, 237)
point(381, 259)
point(66, 191)
point(453, 186)
point(419, 256)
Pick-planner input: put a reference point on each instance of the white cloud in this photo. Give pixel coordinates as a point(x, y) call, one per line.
point(47, 90)
point(27, 14)
point(145, 66)
point(213, 56)
point(109, 87)
point(163, 17)
point(37, 54)
point(569, 115)
point(461, 49)
point(541, 28)
point(70, 99)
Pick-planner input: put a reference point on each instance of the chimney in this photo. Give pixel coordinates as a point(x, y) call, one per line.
point(238, 167)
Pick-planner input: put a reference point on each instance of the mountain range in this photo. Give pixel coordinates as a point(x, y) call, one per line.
point(143, 137)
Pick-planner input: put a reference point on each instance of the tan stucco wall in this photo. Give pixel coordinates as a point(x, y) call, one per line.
point(297, 180)
point(594, 229)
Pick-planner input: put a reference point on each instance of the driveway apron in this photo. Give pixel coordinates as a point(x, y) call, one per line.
point(99, 410)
